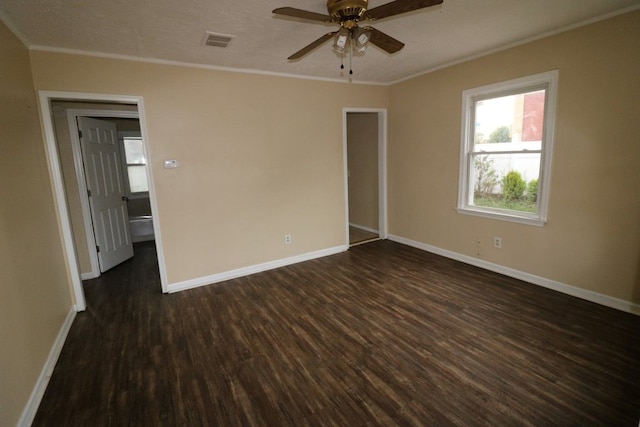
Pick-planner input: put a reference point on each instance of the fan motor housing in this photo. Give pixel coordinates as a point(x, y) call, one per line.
point(347, 10)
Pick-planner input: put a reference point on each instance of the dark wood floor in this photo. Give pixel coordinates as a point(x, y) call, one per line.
point(380, 335)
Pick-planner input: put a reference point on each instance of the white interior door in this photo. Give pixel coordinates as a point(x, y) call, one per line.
point(107, 197)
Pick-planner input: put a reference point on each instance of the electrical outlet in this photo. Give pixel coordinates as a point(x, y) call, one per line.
point(287, 239)
point(497, 242)
point(478, 245)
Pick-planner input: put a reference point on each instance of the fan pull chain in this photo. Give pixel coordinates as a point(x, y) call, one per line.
point(350, 55)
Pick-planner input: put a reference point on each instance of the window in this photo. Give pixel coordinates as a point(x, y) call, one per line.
point(135, 165)
point(505, 155)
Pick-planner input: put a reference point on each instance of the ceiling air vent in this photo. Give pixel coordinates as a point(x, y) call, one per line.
point(217, 39)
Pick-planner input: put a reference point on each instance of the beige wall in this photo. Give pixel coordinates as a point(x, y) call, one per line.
point(592, 239)
point(33, 279)
point(260, 156)
point(362, 137)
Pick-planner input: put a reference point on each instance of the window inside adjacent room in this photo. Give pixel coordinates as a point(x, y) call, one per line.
point(135, 163)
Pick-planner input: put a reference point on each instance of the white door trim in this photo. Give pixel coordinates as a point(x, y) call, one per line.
point(382, 168)
point(55, 172)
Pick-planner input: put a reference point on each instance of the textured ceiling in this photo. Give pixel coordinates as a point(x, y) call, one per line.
point(175, 31)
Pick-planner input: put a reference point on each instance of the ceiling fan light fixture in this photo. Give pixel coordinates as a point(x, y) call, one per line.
point(361, 37)
point(341, 40)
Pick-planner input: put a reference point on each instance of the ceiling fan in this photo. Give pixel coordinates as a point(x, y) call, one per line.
point(347, 13)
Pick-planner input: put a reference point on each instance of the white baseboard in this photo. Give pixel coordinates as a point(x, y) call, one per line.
point(591, 296)
point(88, 276)
point(362, 227)
point(245, 271)
point(29, 412)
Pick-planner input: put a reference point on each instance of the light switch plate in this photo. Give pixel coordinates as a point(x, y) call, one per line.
point(171, 164)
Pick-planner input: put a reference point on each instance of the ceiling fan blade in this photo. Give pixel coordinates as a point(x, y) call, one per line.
point(304, 14)
point(302, 52)
point(397, 7)
point(384, 41)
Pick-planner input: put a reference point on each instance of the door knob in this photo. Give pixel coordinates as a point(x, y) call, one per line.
point(125, 199)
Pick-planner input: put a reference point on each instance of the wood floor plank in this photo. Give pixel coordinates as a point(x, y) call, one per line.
point(381, 335)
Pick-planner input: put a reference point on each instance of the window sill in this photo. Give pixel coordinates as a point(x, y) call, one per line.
point(140, 195)
point(504, 216)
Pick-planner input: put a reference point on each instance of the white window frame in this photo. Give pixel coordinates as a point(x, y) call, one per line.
point(121, 136)
point(547, 81)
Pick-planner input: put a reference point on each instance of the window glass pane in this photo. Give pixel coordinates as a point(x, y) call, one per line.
point(506, 181)
point(138, 178)
point(510, 119)
point(133, 151)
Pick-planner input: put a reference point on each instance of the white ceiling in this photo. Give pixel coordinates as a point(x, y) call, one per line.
point(173, 30)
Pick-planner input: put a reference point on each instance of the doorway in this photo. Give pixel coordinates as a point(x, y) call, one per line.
point(105, 213)
point(365, 174)
point(116, 108)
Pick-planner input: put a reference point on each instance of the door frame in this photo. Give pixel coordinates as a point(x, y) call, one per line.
point(57, 183)
point(382, 168)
